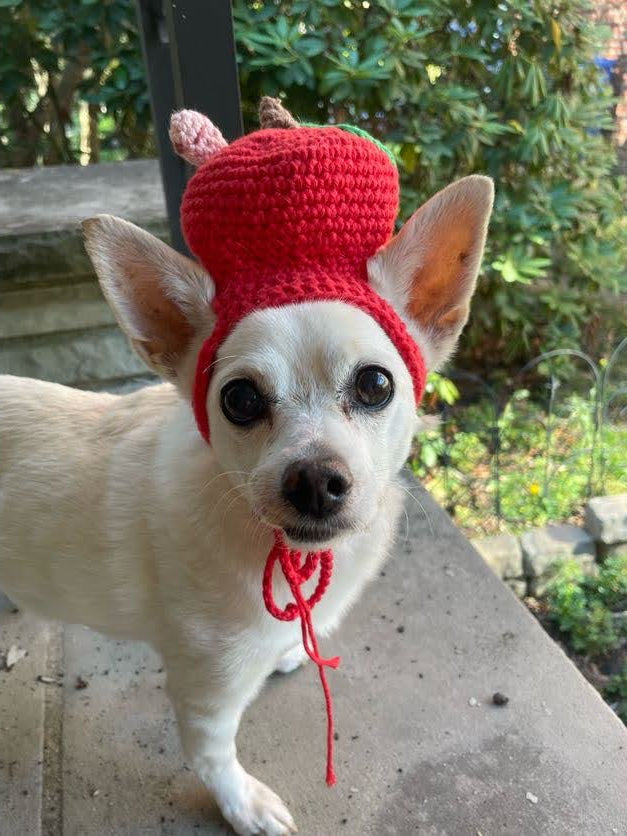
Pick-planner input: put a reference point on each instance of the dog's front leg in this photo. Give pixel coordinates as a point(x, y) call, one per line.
point(209, 705)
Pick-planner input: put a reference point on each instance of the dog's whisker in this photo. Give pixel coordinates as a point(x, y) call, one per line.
point(421, 506)
point(406, 538)
point(258, 527)
point(236, 489)
point(234, 499)
point(225, 473)
point(221, 359)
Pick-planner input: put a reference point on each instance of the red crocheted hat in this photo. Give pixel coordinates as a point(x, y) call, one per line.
point(287, 215)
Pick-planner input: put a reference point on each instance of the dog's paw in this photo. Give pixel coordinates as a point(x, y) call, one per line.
point(292, 660)
point(250, 807)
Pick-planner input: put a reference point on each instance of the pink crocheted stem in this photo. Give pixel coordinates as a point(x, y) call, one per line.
point(194, 137)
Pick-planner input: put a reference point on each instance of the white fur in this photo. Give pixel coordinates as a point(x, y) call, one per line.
point(116, 514)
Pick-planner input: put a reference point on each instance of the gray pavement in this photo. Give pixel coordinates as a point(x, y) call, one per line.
point(421, 748)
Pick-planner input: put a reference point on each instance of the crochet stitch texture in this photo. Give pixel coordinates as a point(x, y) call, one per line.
point(283, 216)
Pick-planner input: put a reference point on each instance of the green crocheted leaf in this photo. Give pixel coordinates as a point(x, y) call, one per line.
point(358, 132)
point(365, 135)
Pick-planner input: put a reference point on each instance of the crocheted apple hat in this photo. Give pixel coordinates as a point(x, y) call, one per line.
point(285, 215)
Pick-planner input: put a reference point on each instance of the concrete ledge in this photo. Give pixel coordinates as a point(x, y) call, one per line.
point(54, 322)
point(76, 358)
point(41, 210)
point(421, 748)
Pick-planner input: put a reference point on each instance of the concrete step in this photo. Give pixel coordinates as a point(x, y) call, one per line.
point(421, 747)
point(22, 715)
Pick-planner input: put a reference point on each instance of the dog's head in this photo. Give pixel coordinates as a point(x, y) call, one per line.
point(311, 407)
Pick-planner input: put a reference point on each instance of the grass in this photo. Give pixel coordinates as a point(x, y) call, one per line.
point(536, 467)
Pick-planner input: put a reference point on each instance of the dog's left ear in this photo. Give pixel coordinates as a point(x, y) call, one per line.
point(161, 299)
point(429, 270)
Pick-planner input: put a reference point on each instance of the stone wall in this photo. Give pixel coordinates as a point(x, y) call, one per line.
point(525, 562)
point(54, 322)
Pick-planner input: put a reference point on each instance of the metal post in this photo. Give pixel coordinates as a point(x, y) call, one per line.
point(189, 53)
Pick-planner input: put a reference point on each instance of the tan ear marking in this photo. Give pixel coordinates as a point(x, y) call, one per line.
point(428, 271)
point(160, 297)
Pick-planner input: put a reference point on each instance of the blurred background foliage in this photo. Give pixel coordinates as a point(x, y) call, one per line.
point(510, 89)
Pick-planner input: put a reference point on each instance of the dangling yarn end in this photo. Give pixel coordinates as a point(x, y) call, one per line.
point(296, 574)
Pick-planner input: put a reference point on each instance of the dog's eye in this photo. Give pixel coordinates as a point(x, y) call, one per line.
point(374, 387)
point(242, 403)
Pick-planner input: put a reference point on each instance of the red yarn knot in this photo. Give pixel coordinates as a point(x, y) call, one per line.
point(297, 572)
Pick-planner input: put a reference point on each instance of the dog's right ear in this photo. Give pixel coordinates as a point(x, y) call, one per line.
point(429, 270)
point(161, 299)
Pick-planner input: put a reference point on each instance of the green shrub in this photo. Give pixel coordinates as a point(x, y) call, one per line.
point(616, 693)
point(513, 478)
point(509, 89)
point(582, 607)
point(57, 54)
point(453, 87)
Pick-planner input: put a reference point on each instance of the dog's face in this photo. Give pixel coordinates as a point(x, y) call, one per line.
point(311, 407)
point(313, 411)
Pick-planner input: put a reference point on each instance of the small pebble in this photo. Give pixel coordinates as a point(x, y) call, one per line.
point(473, 702)
point(531, 797)
point(499, 699)
point(80, 683)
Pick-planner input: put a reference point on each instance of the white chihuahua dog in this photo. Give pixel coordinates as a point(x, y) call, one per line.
point(116, 514)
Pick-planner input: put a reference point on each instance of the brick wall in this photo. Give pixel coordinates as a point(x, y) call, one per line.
point(613, 13)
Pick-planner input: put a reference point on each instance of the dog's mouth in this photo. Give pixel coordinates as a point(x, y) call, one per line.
point(316, 534)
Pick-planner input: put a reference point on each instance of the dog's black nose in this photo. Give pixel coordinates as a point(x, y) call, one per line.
point(317, 488)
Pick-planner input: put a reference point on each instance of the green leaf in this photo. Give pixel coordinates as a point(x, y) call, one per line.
point(282, 27)
point(428, 455)
point(311, 46)
point(409, 157)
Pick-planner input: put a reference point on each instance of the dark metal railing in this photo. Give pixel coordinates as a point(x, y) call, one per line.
point(189, 51)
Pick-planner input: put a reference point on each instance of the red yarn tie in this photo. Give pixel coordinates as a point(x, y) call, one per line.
point(297, 572)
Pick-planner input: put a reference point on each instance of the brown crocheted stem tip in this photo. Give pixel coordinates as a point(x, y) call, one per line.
point(272, 114)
